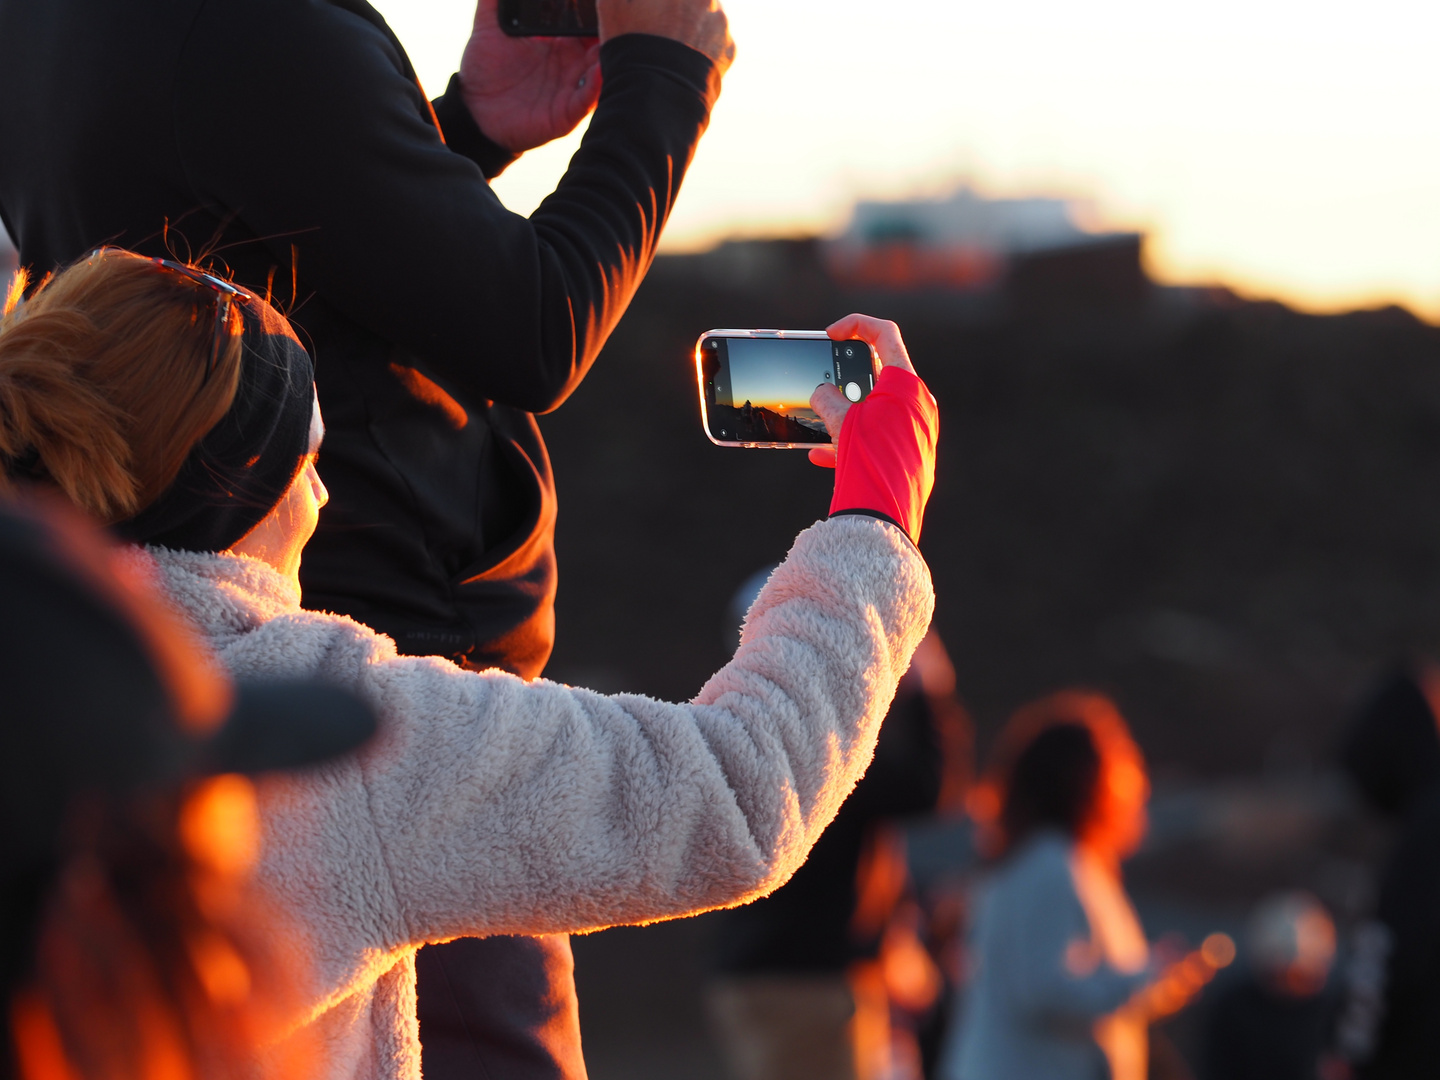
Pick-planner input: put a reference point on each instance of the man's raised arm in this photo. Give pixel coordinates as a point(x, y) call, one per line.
point(402, 234)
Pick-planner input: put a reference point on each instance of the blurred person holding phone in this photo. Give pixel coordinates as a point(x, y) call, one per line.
point(1063, 983)
point(293, 140)
point(180, 411)
point(128, 827)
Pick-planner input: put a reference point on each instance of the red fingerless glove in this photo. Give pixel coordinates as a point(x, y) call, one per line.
point(885, 458)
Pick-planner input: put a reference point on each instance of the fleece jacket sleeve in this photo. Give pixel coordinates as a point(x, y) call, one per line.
point(334, 155)
point(490, 805)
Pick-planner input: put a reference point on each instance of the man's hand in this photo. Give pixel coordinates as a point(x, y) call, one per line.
point(524, 92)
point(701, 24)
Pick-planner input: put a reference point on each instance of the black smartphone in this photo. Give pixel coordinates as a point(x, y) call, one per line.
point(755, 385)
point(549, 18)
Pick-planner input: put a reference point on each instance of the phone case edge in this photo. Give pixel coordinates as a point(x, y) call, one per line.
point(700, 385)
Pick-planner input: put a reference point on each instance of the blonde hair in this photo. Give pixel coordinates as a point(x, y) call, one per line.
point(105, 384)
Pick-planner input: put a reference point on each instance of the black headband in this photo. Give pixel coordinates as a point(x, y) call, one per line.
point(241, 469)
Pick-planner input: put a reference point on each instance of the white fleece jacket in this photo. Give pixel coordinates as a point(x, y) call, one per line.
point(487, 805)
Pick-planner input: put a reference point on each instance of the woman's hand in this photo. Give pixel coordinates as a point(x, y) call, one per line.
point(827, 401)
point(883, 448)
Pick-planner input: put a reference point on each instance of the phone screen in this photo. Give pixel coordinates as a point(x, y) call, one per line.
point(531, 18)
point(758, 389)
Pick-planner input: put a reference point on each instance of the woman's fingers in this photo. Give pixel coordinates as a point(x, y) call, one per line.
point(827, 401)
point(882, 334)
point(831, 406)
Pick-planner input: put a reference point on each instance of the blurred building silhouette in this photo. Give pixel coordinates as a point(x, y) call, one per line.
point(1032, 248)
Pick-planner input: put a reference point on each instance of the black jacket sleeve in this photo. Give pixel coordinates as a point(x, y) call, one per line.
point(464, 136)
point(304, 123)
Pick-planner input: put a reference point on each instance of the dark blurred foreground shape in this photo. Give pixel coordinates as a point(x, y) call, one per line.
point(1216, 509)
point(1389, 1025)
point(127, 947)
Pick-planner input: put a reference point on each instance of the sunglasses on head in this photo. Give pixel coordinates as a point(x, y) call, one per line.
point(226, 293)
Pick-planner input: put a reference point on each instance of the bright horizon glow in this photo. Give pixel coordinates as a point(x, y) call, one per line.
point(1284, 149)
point(778, 375)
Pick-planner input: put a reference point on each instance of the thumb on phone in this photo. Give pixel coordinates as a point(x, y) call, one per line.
point(831, 406)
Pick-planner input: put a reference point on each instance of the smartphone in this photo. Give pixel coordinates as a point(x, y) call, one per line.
point(549, 18)
point(755, 385)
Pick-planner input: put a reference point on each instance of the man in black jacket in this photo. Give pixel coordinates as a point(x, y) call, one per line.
point(291, 139)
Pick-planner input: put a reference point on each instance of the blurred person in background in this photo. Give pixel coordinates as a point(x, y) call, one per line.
point(1062, 982)
point(1274, 1022)
point(1389, 1023)
point(799, 989)
point(292, 138)
point(126, 833)
point(182, 412)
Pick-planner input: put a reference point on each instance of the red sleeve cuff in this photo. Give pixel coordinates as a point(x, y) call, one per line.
point(886, 452)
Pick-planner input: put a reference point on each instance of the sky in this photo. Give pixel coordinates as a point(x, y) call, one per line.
point(1286, 149)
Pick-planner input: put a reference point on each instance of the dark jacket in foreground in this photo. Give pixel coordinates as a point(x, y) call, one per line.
point(291, 137)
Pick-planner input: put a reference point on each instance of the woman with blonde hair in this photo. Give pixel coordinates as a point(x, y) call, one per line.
point(181, 412)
